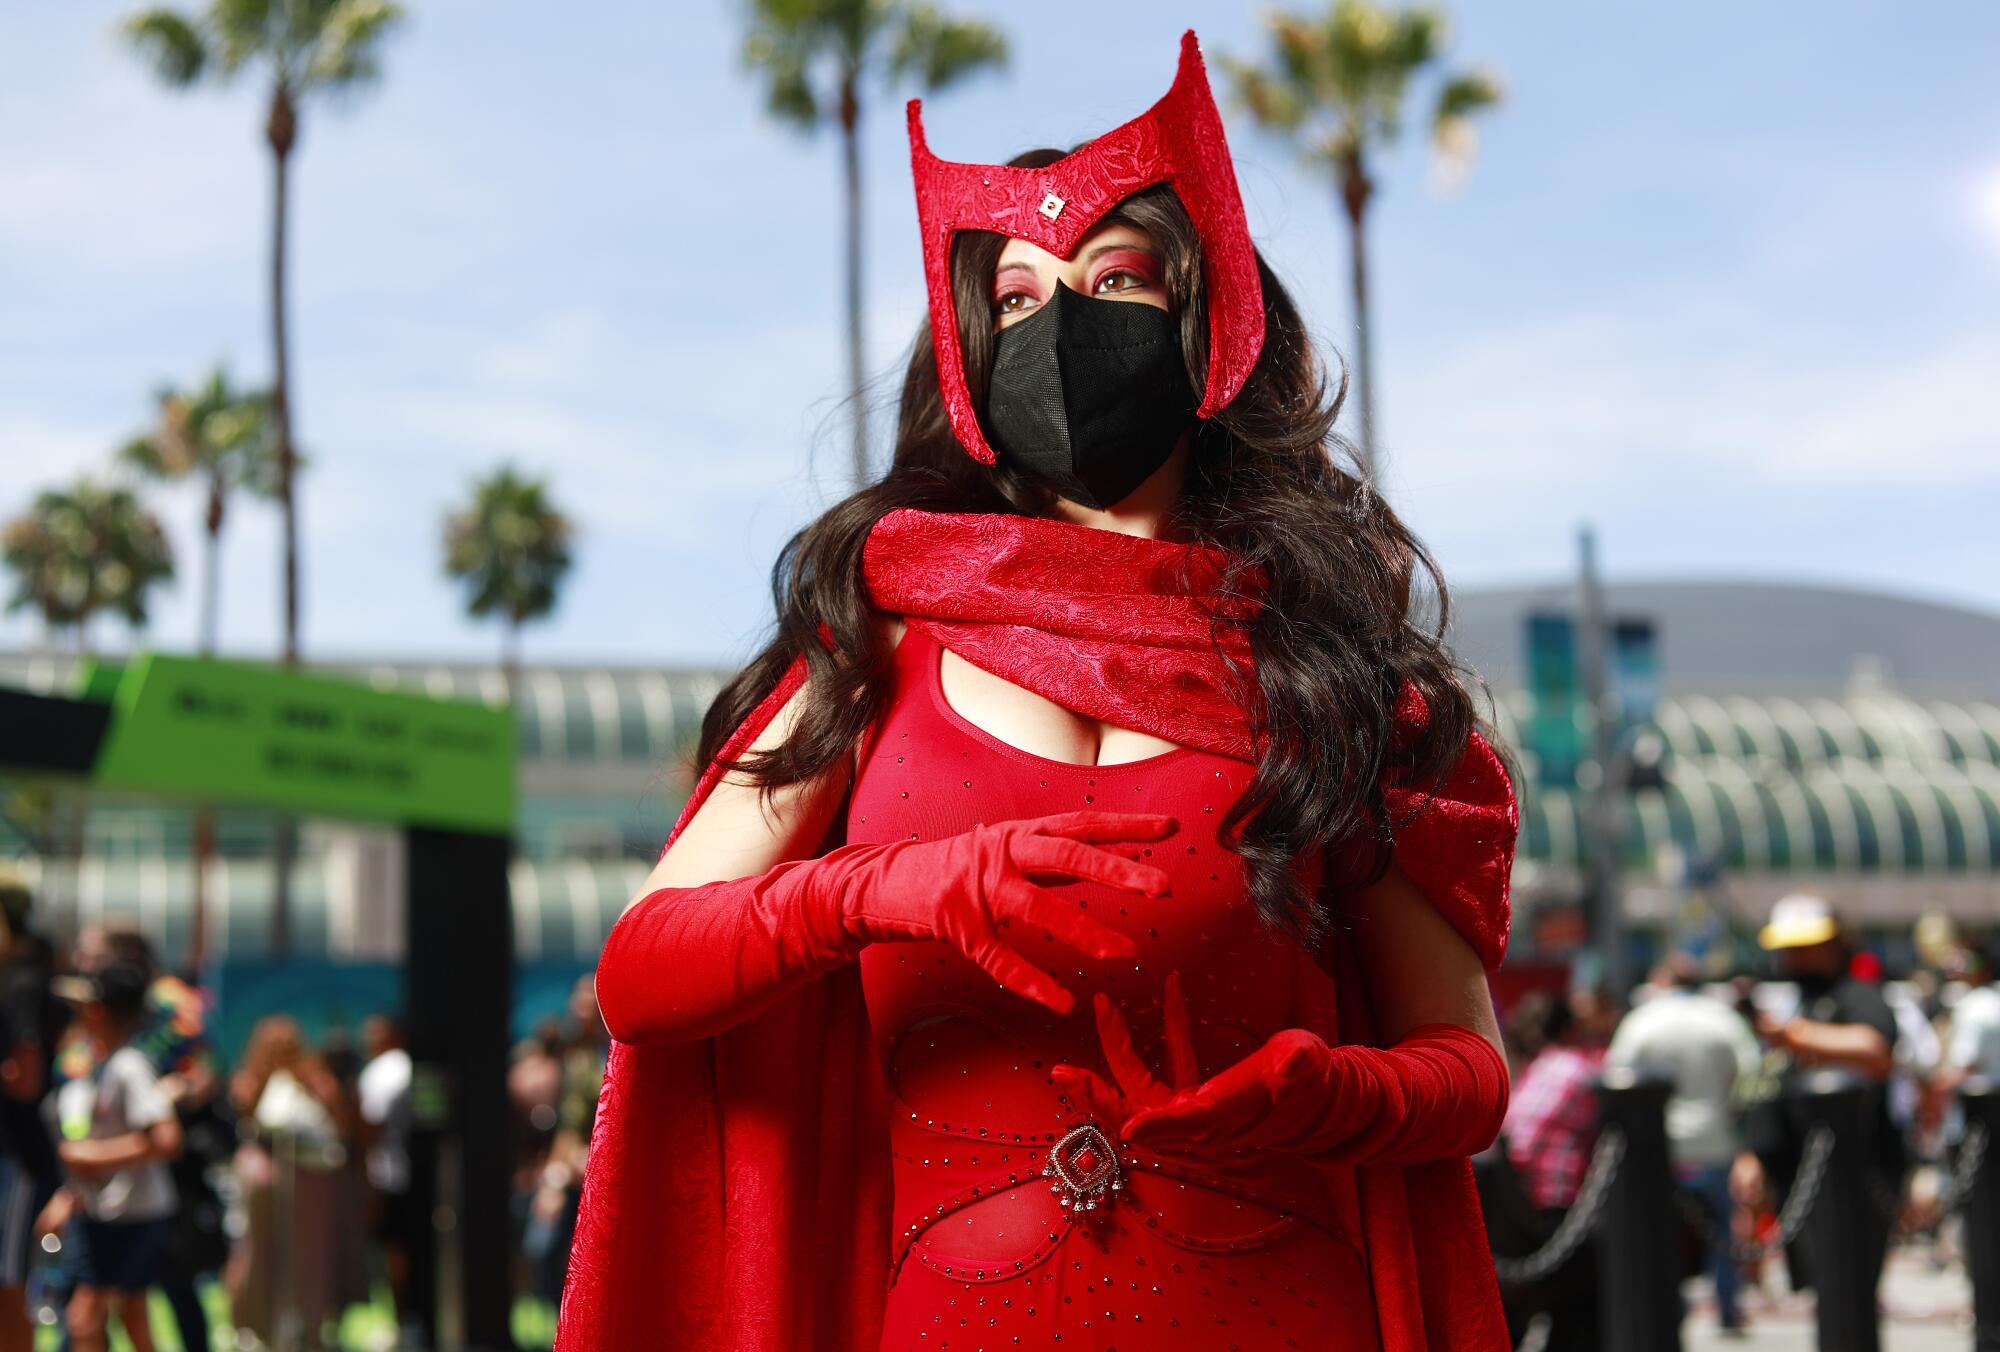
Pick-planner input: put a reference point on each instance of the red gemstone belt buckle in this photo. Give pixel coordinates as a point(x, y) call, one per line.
point(1083, 1167)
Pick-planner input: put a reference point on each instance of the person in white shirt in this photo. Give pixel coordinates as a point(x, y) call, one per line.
point(384, 1090)
point(118, 1131)
point(1973, 1048)
point(1703, 1045)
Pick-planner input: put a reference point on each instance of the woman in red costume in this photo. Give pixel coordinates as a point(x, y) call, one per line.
point(1079, 934)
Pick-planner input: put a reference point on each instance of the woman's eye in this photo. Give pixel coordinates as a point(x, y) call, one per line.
point(1014, 302)
point(1119, 279)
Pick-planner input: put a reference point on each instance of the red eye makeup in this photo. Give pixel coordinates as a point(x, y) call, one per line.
point(1136, 263)
point(1016, 284)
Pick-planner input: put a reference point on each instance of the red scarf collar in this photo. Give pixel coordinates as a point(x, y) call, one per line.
point(1133, 631)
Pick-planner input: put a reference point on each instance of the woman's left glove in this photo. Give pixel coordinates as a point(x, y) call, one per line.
point(1440, 1092)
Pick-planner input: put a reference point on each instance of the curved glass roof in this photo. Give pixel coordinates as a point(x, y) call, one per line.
point(1868, 783)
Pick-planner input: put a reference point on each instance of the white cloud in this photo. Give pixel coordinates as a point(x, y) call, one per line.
point(1610, 403)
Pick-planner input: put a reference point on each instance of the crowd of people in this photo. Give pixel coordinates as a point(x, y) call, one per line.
point(1736, 1046)
point(133, 1163)
point(553, 1086)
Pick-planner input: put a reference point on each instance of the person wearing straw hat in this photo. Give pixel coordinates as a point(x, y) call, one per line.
point(1841, 1022)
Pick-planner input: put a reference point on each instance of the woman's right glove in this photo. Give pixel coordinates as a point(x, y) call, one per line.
point(691, 962)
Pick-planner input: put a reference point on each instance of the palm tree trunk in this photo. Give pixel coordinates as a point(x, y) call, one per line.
point(281, 130)
point(850, 160)
point(211, 582)
point(510, 659)
point(204, 816)
point(204, 852)
point(1354, 191)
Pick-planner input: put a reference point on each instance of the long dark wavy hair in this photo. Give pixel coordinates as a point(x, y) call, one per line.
point(1335, 642)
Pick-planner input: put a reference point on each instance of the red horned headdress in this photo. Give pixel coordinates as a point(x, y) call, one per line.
point(1179, 142)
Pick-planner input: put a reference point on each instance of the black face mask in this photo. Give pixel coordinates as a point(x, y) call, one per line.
point(1089, 396)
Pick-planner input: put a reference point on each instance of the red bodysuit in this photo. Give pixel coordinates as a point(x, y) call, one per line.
point(1259, 1255)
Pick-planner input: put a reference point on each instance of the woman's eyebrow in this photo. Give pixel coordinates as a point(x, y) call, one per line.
point(1016, 266)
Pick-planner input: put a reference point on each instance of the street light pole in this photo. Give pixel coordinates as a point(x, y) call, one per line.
point(1603, 895)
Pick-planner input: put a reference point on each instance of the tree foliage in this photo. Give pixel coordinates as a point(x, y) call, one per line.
point(811, 51)
point(303, 45)
point(1335, 84)
point(215, 432)
point(510, 547)
point(86, 550)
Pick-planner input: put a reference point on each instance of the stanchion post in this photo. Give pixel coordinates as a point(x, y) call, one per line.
point(1638, 1239)
point(460, 965)
point(1844, 1233)
point(1979, 1211)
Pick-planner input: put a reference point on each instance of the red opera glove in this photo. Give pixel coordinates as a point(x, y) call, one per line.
point(690, 962)
point(1440, 1092)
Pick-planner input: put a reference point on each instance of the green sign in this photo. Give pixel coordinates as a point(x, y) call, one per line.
point(230, 733)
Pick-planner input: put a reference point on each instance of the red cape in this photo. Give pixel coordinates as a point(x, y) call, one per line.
point(737, 1195)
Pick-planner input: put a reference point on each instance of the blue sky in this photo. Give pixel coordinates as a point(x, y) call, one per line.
point(1724, 280)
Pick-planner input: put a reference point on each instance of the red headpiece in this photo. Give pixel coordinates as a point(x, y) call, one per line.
point(1177, 141)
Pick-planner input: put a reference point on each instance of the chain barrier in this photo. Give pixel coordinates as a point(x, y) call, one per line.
point(1577, 1222)
point(1799, 1205)
point(1535, 1338)
point(1971, 1155)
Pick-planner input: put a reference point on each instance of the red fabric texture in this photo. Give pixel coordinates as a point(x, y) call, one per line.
point(1131, 631)
point(1177, 141)
point(734, 1202)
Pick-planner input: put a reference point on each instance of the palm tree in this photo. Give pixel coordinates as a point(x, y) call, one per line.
point(221, 436)
point(1335, 88)
point(82, 551)
point(302, 48)
point(510, 547)
point(817, 56)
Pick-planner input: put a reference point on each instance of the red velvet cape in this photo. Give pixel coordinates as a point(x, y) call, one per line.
point(737, 1195)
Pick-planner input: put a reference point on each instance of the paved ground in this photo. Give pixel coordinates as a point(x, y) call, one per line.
point(1926, 1309)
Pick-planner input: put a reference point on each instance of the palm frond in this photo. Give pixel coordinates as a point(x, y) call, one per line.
point(1463, 95)
point(1416, 37)
point(147, 456)
point(345, 52)
point(935, 50)
point(785, 57)
point(510, 546)
point(1300, 49)
point(85, 549)
point(1454, 135)
point(1271, 102)
point(214, 429)
point(171, 42)
point(1338, 80)
point(244, 30)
